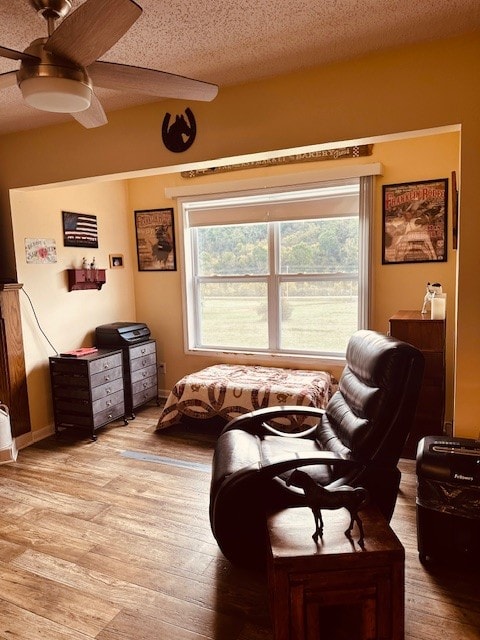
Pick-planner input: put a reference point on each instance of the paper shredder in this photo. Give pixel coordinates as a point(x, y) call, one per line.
point(448, 499)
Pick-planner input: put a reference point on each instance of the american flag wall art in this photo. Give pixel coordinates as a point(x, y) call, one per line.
point(79, 230)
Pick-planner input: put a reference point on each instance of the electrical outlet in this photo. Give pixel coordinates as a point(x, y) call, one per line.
point(162, 367)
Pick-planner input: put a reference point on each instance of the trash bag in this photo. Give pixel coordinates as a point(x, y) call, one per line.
point(8, 448)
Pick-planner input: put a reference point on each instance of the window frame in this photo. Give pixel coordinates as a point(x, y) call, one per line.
point(191, 319)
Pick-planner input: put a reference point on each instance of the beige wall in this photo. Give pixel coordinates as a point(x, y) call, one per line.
point(68, 318)
point(402, 286)
point(408, 89)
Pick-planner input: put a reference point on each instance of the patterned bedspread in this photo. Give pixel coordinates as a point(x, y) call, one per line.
point(231, 390)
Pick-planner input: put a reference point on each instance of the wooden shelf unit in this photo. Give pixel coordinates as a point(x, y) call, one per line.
point(80, 279)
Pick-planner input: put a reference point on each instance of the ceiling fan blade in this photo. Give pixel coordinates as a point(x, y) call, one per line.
point(156, 83)
point(92, 29)
point(92, 117)
point(8, 79)
point(15, 55)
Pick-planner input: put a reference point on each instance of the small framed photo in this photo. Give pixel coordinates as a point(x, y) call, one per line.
point(155, 235)
point(415, 222)
point(116, 261)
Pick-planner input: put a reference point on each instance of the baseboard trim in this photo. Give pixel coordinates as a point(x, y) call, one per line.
point(27, 439)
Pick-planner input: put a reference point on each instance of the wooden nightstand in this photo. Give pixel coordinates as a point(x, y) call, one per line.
point(334, 590)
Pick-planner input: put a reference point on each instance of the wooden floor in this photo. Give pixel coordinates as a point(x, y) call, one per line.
point(111, 540)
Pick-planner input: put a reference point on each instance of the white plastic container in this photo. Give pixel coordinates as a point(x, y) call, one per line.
point(8, 449)
point(439, 307)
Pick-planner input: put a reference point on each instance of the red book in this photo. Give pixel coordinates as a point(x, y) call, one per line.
point(77, 353)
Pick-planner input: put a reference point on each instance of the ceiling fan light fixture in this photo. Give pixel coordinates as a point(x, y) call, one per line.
point(58, 95)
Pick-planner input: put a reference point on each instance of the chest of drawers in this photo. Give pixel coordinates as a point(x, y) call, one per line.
point(428, 336)
point(87, 392)
point(140, 374)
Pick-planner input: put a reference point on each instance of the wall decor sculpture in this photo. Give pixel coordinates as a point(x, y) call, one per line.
point(180, 135)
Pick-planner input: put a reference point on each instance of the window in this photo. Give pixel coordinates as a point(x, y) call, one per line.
point(277, 271)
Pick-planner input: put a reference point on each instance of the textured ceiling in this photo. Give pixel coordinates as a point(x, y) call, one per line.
point(229, 42)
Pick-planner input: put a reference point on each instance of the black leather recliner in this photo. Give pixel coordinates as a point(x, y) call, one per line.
point(357, 441)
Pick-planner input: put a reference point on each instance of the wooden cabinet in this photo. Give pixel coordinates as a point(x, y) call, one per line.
point(334, 589)
point(13, 379)
point(428, 336)
point(140, 372)
point(88, 392)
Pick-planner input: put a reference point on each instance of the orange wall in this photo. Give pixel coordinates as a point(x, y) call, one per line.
point(156, 297)
point(426, 157)
point(418, 87)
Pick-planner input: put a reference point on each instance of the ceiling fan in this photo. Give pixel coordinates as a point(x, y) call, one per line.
point(57, 73)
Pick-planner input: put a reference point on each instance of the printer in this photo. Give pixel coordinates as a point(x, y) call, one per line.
point(121, 334)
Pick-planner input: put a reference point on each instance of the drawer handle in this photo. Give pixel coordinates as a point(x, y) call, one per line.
point(145, 385)
point(106, 365)
point(144, 374)
point(106, 378)
point(108, 390)
point(110, 415)
point(144, 362)
point(143, 351)
point(108, 403)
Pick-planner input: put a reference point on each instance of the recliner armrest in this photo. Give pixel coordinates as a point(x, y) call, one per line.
point(254, 421)
point(283, 464)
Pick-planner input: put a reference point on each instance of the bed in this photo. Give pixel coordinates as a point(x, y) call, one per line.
point(227, 391)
